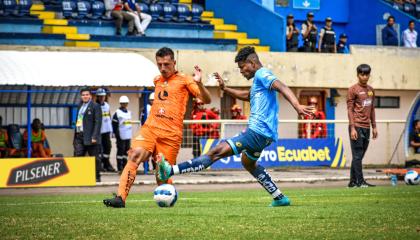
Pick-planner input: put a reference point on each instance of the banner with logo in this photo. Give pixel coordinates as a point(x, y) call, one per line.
point(47, 172)
point(307, 4)
point(289, 152)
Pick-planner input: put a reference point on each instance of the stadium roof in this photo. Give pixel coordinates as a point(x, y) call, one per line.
point(76, 69)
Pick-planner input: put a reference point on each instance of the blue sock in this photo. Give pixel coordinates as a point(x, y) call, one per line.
point(194, 165)
point(264, 179)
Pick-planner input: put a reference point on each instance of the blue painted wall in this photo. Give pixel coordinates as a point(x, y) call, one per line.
point(367, 14)
point(251, 17)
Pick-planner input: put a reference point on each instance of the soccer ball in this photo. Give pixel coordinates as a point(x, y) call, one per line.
point(165, 195)
point(412, 178)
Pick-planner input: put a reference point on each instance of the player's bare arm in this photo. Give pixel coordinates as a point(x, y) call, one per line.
point(291, 98)
point(239, 94)
point(204, 92)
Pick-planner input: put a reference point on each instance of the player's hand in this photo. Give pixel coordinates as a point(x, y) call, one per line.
point(219, 80)
point(93, 140)
point(306, 110)
point(197, 74)
point(353, 134)
point(375, 133)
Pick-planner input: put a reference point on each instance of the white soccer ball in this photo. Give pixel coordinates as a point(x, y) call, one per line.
point(165, 195)
point(412, 178)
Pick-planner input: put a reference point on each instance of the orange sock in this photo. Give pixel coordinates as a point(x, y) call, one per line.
point(127, 179)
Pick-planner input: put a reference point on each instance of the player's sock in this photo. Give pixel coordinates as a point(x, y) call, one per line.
point(265, 180)
point(128, 176)
point(194, 165)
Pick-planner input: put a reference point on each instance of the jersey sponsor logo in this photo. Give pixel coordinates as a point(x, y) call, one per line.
point(139, 137)
point(367, 102)
point(163, 95)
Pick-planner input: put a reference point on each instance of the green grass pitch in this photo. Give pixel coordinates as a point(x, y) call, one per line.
point(327, 213)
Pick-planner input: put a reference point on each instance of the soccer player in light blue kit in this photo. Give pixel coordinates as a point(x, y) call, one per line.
point(262, 129)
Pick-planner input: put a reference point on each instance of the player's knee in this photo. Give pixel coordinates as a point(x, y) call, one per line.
point(216, 153)
point(249, 165)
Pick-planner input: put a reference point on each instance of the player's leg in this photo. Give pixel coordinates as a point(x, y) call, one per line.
point(142, 148)
point(169, 148)
point(366, 139)
point(221, 150)
point(357, 155)
point(259, 172)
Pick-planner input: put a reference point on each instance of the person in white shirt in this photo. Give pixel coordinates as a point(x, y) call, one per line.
point(106, 130)
point(121, 124)
point(410, 36)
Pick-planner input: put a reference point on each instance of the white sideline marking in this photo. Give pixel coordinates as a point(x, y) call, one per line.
point(199, 199)
point(76, 202)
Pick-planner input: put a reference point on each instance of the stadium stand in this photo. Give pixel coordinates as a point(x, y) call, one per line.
point(410, 7)
point(77, 23)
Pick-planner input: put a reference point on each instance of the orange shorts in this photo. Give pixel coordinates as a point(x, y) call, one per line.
point(156, 141)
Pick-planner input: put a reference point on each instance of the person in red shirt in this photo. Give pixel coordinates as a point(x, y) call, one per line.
point(4, 141)
point(314, 130)
point(202, 131)
point(237, 112)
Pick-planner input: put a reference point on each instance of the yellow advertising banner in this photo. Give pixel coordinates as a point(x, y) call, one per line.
point(47, 172)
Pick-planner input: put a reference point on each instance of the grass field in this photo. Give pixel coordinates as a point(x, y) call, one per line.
point(334, 213)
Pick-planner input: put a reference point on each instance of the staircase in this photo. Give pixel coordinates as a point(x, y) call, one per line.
point(230, 31)
point(52, 25)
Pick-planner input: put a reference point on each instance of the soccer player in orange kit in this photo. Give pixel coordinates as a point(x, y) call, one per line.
point(162, 132)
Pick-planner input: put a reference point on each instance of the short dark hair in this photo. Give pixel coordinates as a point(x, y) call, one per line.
point(410, 22)
point(390, 17)
point(165, 51)
point(415, 122)
point(244, 53)
point(85, 89)
point(363, 69)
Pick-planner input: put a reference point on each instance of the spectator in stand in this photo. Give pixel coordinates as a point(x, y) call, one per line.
point(4, 141)
point(87, 135)
point(38, 138)
point(410, 36)
point(327, 38)
point(342, 44)
point(215, 127)
point(389, 34)
point(46, 143)
point(292, 34)
point(237, 112)
point(120, 15)
point(141, 20)
point(309, 33)
point(314, 130)
point(201, 131)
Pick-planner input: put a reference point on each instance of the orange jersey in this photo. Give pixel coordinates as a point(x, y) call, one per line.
point(169, 106)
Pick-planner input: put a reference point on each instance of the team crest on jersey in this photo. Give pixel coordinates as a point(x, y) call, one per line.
point(161, 111)
point(370, 93)
point(238, 144)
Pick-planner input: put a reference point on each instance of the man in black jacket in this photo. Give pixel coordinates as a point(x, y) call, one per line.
point(87, 136)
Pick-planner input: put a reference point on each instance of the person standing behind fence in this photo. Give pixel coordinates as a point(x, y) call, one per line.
point(201, 130)
point(361, 114)
point(309, 33)
point(389, 34)
point(106, 130)
point(87, 136)
point(327, 38)
point(292, 35)
point(314, 130)
point(122, 126)
point(410, 36)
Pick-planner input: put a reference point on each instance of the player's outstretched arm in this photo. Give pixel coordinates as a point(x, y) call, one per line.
point(239, 94)
point(291, 98)
point(204, 92)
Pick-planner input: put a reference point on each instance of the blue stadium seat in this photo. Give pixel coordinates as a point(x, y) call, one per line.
point(196, 12)
point(9, 7)
point(169, 11)
point(409, 8)
point(183, 12)
point(24, 7)
point(69, 7)
point(398, 6)
point(156, 11)
point(98, 10)
point(83, 9)
point(144, 8)
point(418, 10)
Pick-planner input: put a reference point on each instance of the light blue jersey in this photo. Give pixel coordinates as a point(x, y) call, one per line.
point(264, 105)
